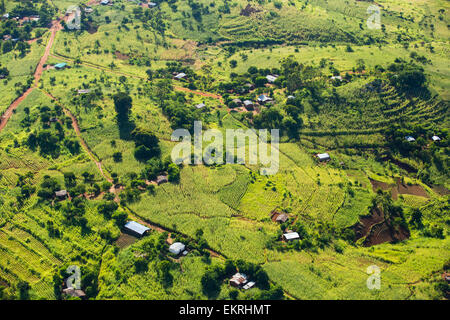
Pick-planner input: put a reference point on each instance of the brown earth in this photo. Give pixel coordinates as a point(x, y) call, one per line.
point(249, 10)
point(376, 229)
point(121, 56)
point(399, 188)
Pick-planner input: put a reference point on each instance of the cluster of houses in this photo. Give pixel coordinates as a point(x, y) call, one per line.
point(32, 18)
point(412, 139)
point(138, 230)
point(240, 280)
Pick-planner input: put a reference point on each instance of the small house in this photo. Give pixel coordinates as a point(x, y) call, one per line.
point(290, 236)
point(282, 218)
point(410, 139)
point(250, 86)
point(180, 76)
point(262, 99)
point(436, 138)
point(238, 280)
point(336, 78)
point(248, 104)
point(60, 66)
point(61, 194)
point(271, 78)
point(177, 248)
point(88, 10)
point(83, 91)
point(152, 4)
point(104, 2)
point(237, 101)
point(74, 292)
point(136, 229)
point(323, 157)
point(162, 179)
point(200, 105)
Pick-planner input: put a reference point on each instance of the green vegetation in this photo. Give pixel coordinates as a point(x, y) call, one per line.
point(100, 130)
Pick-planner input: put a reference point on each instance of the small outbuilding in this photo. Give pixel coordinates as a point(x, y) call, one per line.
point(180, 76)
point(410, 139)
point(436, 138)
point(290, 236)
point(249, 285)
point(200, 106)
point(177, 248)
point(61, 194)
point(136, 229)
point(162, 179)
point(60, 66)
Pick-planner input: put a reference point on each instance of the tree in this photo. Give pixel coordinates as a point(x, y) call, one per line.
point(122, 104)
point(70, 180)
point(174, 173)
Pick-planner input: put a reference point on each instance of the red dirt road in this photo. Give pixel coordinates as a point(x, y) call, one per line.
point(56, 26)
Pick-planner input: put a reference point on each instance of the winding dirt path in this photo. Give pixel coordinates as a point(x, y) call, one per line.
point(56, 26)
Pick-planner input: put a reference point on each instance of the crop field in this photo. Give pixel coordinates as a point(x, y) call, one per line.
point(87, 134)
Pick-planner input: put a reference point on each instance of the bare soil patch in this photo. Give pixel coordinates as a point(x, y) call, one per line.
point(121, 56)
point(377, 229)
point(249, 10)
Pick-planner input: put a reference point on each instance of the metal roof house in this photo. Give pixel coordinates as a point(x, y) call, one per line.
point(436, 138)
point(336, 78)
point(282, 218)
point(248, 104)
point(410, 139)
point(61, 65)
point(263, 98)
point(200, 106)
point(238, 280)
point(180, 76)
point(61, 194)
point(323, 156)
point(271, 78)
point(177, 248)
point(249, 285)
point(290, 236)
point(136, 229)
point(104, 2)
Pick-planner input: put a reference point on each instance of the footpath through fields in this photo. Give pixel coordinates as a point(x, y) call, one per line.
point(56, 26)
